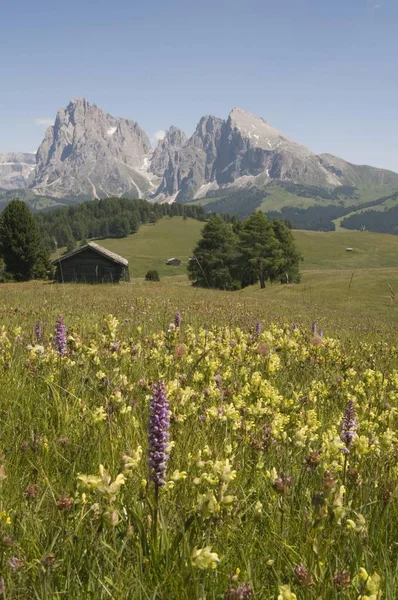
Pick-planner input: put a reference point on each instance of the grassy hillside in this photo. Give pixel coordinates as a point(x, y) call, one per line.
point(154, 244)
point(328, 250)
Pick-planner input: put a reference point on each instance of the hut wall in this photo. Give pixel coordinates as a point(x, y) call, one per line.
point(90, 267)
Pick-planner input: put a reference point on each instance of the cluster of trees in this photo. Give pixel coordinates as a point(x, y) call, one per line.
point(22, 250)
point(385, 221)
point(111, 217)
point(230, 256)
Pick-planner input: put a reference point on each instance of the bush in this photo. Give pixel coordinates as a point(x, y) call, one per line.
point(152, 276)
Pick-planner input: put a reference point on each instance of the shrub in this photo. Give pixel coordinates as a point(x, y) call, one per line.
point(152, 275)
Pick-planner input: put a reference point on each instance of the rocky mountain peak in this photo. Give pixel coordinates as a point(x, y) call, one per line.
point(173, 141)
point(89, 153)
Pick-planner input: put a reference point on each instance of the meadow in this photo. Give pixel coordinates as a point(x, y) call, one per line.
point(269, 418)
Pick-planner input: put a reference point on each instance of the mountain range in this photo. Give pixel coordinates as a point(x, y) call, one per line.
point(232, 163)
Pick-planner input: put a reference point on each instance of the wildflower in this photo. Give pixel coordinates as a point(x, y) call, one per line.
point(38, 332)
point(7, 540)
point(342, 580)
point(63, 441)
point(303, 577)
point(31, 491)
point(2, 586)
point(16, 563)
point(314, 327)
point(204, 558)
point(158, 434)
point(65, 502)
point(348, 426)
point(60, 341)
point(177, 320)
point(48, 560)
point(242, 592)
point(218, 380)
point(263, 349)
point(285, 593)
point(370, 585)
point(313, 460)
point(282, 484)
point(180, 350)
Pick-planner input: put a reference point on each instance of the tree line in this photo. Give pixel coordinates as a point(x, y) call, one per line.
point(383, 221)
point(27, 240)
point(231, 256)
point(100, 219)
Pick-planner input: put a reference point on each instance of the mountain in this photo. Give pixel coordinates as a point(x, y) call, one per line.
point(88, 153)
point(16, 170)
point(172, 142)
point(244, 151)
point(232, 165)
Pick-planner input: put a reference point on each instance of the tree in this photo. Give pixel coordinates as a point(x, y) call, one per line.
point(288, 269)
point(152, 275)
point(260, 252)
point(213, 263)
point(20, 241)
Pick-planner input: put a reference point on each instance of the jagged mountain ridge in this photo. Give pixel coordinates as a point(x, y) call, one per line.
point(88, 153)
point(16, 170)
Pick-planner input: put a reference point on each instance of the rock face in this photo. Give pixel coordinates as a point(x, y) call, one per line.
point(16, 170)
point(192, 166)
point(88, 153)
point(172, 142)
point(244, 146)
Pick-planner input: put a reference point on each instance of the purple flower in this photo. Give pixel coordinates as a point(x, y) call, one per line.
point(244, 591)
point(258, 328)
point(177, 319)
point(60, 340)
point(218, 380)
point(38, 331)
point(320, 333)
point(314, 327)
point(158, 434)
point(349, 425)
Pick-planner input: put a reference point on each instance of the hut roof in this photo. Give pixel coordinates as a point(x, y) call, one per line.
point(97, 248)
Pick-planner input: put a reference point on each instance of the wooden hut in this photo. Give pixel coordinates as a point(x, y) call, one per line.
point(173, 262)
point(91, 263)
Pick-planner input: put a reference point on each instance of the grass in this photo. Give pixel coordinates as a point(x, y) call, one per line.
point(154, 244)
point(257, 482)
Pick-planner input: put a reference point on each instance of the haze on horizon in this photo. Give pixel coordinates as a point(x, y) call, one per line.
point(325, 74)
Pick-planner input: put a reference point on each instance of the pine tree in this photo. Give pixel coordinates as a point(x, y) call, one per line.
point(260, 252)
point(288, 269)
point(20, 241)
point(213, 263)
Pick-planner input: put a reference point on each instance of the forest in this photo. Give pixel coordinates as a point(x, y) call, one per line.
point(111, 217)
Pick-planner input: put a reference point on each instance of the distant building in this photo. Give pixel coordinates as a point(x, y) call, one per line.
point(349, 249)
point(91, 263)
point(173, 262)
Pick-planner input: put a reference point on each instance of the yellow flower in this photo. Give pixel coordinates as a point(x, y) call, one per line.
point(285, 593)
point(204, 558)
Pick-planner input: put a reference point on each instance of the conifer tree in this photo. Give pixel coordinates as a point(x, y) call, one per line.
point(260, 251)
point(20, 241)
point(287, 270)
point(214, 261)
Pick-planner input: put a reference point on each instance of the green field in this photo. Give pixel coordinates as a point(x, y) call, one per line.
point(154, 244)
point(336, 284)
point(261, 496)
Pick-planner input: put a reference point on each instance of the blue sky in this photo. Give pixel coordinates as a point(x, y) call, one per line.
point(324, 73)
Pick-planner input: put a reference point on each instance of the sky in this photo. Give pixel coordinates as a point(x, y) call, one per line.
point(323, 72)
